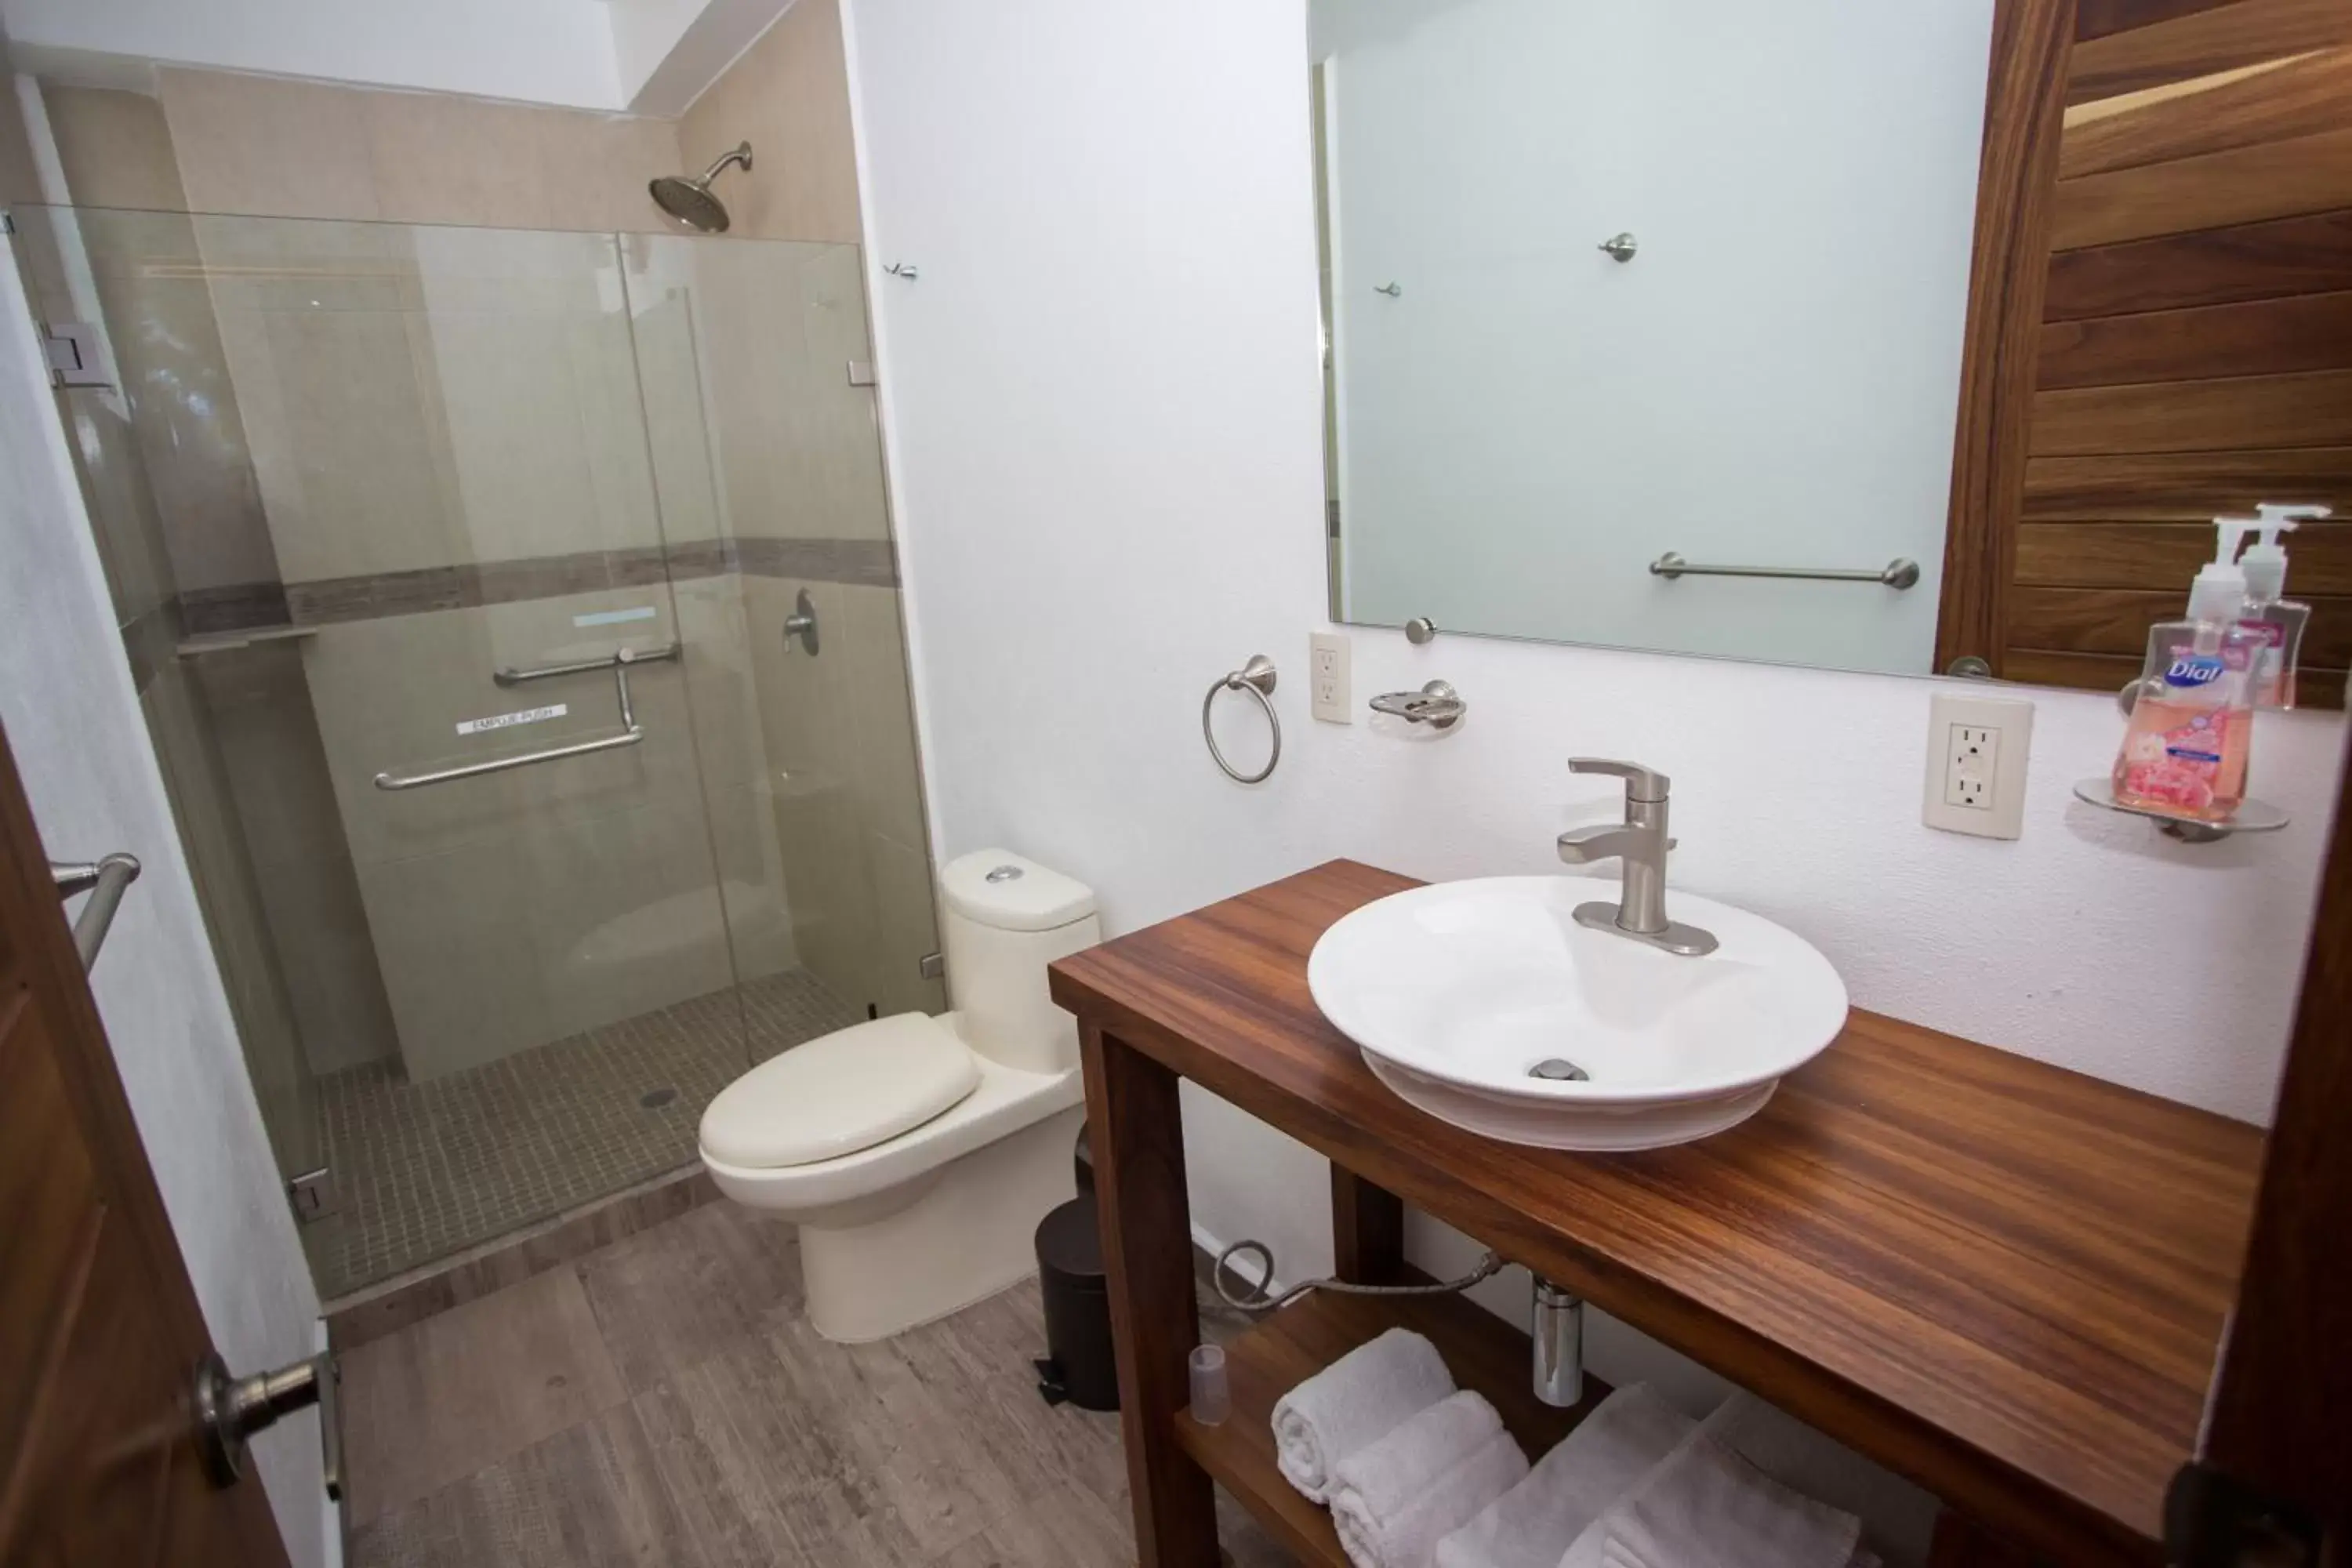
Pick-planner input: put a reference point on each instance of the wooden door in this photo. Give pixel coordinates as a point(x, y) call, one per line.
point(99, 1331)
point(2160, 327)
point(2278, 1427)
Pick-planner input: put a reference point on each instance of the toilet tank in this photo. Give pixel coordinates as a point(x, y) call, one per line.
point(1004, 917)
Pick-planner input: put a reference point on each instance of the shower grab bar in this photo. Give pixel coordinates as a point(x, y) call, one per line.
point(105, 881)
point(632, 733)
point(1900, 573)
point(513, 677)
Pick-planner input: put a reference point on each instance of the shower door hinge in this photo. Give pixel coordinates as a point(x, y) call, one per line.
point(932, 966)
point(861, 372)
point(74, 357)
point(312, 1194)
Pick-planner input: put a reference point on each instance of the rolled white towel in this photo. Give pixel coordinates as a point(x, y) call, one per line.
point(1356, 1401)
point(1703, 1506)
point(1530, 1525)
point(1393, 1502)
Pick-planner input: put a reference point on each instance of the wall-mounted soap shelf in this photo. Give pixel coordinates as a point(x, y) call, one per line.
point(2253, 815)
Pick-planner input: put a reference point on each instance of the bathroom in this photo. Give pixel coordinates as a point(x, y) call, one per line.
point(1009, 359)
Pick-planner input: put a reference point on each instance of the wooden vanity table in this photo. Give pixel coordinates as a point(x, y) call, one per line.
point(2001, 1279)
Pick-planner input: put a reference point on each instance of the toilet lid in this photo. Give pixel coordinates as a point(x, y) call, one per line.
point(844, 1091)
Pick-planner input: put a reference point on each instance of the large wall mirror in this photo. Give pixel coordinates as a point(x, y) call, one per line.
point(1908, 339)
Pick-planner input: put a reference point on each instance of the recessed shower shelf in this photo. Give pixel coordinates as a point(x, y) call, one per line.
point(2253, 815)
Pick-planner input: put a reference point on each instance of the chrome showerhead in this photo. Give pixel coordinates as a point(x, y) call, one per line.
point(689, 200)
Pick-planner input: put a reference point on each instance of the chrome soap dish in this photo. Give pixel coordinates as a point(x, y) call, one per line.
point(1436, 704)
point(2252, 817)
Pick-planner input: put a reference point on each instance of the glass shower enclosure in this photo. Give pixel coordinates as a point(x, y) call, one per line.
point(516, 617)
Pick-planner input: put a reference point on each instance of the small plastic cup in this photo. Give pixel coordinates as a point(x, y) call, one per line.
point(1213, 1399)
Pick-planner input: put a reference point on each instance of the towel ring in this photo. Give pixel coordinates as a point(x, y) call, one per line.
point(1256, 677)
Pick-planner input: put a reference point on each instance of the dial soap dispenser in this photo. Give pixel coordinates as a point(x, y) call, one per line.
point(2278, 621)
point(2184, 753)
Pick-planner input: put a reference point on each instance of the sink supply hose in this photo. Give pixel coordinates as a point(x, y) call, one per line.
point(1257, 1300)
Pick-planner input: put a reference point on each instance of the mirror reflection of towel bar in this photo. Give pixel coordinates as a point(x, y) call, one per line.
point(1900, 573)
point(630, 732)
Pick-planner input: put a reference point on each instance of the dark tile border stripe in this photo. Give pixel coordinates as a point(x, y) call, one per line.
point(862, 563)
point(323, 601)
point(232, 607)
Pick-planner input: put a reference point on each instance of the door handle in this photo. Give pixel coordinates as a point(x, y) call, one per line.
point(105, 881)
point(230, 1410)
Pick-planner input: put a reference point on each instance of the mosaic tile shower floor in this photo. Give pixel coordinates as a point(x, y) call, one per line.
point(424, 1170)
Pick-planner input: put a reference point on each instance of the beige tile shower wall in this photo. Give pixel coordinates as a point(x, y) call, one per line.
point(113, 148)
point(235, 919)
point(848, 800)
point(428, 398)
point(108, 462)
point(795, 444)
point(116, 153)
point(239, 741)
point(267, 147)
point(798, 458)
point(788, 95)
point(517, 908)
point(19, 180)
point(723, 699)
point(282, 784)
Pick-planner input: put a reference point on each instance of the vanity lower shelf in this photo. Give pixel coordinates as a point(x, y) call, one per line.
point(2001, 1279)
point(1276, 1355)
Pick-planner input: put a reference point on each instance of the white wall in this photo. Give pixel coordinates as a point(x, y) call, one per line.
point(1772, 379)
point(667, 51)
point(1102, 409)
point(543, 51)
point(82, 748)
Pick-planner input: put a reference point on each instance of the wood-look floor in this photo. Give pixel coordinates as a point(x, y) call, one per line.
point(664, 1403)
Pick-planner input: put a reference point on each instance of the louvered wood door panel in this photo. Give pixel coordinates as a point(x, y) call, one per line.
point(2195, 351)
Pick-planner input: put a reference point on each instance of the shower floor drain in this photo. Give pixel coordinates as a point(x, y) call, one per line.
point(655, 1099)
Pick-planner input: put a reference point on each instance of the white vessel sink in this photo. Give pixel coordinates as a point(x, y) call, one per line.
point(1458, 991)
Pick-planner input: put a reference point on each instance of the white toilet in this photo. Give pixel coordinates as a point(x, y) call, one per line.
point(919, 1154)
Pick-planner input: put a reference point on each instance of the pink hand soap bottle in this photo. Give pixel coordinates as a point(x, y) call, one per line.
point(2192, 721)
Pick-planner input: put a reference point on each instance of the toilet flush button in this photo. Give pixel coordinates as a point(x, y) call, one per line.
point(1005, 874)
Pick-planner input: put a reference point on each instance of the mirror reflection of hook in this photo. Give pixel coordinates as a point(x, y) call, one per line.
point(1390, 290)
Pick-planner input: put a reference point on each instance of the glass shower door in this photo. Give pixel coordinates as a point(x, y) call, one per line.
point(519, 628)
point(417, 584)
point(753, 357)
point(452, 462)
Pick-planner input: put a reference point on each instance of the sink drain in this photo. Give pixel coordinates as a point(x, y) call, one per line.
point(655, 1099)
point(1559, 1070)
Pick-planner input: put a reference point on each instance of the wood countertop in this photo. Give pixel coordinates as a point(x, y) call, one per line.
point(2001, 1279)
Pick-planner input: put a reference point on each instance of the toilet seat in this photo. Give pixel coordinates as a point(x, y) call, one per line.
point(846, 1091)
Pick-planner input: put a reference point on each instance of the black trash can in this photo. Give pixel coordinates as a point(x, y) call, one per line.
point(1078, 1366)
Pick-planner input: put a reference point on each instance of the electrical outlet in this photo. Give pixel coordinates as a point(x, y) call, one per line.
point(1977, 748)
point(1971, 756)
point(1329, 677)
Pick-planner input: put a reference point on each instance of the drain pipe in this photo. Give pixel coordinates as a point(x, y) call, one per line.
point(1559, 1331)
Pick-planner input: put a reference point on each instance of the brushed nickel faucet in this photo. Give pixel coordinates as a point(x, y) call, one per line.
point(1642, 844)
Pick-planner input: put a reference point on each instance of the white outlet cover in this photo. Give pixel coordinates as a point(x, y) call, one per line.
point(1329, 679)
point(1958, 751)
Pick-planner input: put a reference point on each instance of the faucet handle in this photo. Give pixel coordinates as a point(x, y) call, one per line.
point(1641, 784)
